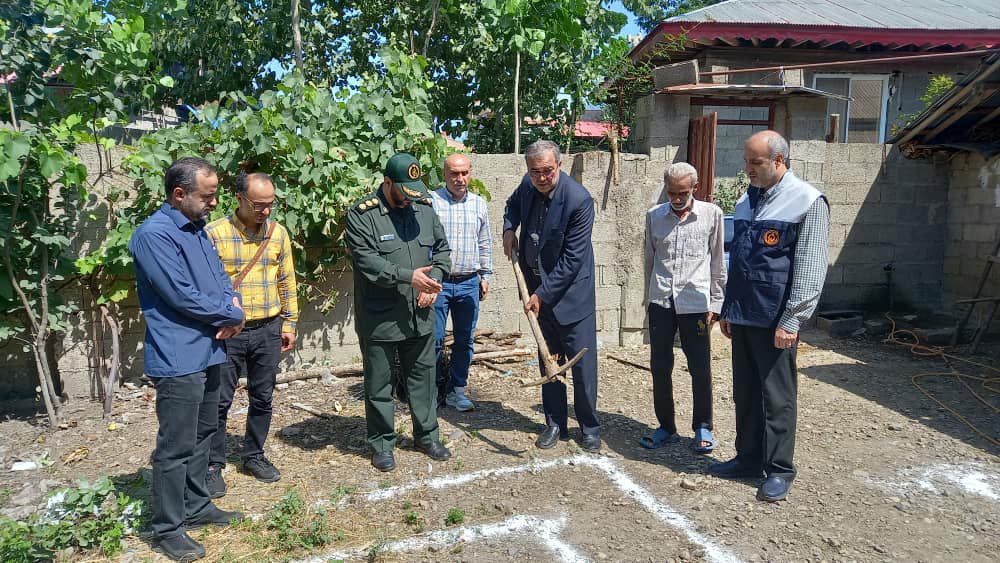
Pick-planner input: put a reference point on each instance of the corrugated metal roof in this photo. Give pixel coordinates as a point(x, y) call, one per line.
point(884, 14)
point(747, 90)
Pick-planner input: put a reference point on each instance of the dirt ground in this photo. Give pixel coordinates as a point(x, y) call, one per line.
point(885, 473)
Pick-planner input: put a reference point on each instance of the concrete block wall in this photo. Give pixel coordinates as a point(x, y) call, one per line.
point(973, 226)
point(329, 336)
point(885, 210)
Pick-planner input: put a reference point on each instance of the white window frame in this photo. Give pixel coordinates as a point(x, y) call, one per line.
point(883, 118)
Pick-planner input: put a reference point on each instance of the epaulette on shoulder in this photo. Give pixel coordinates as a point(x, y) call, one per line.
point(366, 204)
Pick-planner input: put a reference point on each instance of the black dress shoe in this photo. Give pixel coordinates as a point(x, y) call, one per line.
point(591, 443)
point(434, 450)
point(179, 548)
point(212, 516)
point(774, 489)
point(552, 434)
point(384, 461)
point(735, 469)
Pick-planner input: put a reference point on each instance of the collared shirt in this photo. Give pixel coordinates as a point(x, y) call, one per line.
point(184, 294)
point(811, 255)
point(467, 225)
point(536, 222)
point(684, 259)
point(269, 288)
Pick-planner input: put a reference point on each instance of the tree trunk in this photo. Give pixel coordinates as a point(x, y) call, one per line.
point(112, 377)
point(435, 7)
point(296, 34)
point(517, 104)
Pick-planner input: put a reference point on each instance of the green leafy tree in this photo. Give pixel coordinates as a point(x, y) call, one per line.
point(480, 56)
point(324, 147)
point(69, 72)
point(210, 47)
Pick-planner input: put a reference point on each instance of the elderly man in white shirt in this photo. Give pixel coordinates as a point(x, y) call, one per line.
point(685, 276)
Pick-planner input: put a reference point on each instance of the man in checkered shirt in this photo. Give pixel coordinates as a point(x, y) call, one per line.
point(777, 265)
point(467, 225)
point(268, 290)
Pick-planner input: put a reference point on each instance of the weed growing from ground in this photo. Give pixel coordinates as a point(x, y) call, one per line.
point(414, 520)
point(341, 491)
point(455, 517)
point(290, 526)
point(90, 517)
point(377, 549)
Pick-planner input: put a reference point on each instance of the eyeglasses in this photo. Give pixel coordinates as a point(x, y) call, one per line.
point(259, 206)
point(544, 173)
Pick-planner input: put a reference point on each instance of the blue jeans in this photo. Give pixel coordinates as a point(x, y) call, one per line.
point(462, 299)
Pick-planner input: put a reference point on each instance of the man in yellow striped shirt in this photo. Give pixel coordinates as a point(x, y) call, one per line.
point(268, 290)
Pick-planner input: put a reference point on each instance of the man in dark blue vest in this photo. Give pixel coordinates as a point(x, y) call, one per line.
point(556, 217)
point(777, 265)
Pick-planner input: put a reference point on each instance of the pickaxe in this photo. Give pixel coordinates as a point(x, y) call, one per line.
point(550, 367)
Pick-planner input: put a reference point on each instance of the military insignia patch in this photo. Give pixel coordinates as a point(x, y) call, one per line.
point(411, 192)
point(413, 172)
point(771, 237)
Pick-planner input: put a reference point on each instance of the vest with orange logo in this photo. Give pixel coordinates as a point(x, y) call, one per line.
point(763, 249)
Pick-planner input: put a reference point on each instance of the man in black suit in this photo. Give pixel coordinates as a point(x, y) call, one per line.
point(555, 216)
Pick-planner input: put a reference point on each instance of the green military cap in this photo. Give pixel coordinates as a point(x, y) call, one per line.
point(404, 169)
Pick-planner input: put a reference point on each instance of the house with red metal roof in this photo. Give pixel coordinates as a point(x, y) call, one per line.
point(847, 71)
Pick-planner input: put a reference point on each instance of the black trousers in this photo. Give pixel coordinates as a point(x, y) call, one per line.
point(254, 353)
point(180, 459)
point(765, 385)
point(567, 340)
point(696, 343)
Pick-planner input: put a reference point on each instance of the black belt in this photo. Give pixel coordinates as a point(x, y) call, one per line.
point(460, 278)
point(258, 323)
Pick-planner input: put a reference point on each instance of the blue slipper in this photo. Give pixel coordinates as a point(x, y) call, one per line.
point(703, 435)
point(659, 439)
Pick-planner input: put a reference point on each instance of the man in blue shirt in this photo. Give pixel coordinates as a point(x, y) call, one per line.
point(190, 308)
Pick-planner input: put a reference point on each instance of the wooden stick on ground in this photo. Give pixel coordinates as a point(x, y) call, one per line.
point(628, 362)
point(358, 369)
point(311, 410)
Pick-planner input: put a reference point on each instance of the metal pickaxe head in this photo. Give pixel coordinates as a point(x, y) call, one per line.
point(553, 370)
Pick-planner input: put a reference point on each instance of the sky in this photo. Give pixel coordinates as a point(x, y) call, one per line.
point(631, 28)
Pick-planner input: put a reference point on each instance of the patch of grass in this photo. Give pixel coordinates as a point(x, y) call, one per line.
point(459, 464)
point(384, 484)
point(455, 517)
point(289, 526)
point(407, 505)
point(5, 494)
point(474, 433)
point(340, 491)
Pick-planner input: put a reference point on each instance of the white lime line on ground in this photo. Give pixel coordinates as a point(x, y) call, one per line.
point(547, 530)
point(970, 478)
point(713, 550)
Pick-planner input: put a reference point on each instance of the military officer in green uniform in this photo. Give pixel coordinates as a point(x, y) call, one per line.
point(400, 256)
